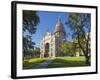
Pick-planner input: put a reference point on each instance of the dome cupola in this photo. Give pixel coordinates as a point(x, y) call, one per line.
point(59, 30)
point(59, 26)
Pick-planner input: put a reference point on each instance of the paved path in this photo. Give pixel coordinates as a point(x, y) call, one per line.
point(44, 64)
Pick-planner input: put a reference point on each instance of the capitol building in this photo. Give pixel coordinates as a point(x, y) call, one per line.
point(50, 44)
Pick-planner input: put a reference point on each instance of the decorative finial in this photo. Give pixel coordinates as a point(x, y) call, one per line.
point(59, 19)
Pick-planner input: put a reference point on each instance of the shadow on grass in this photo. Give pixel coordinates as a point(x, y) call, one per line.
point(62, 62)
point(59, 62)
point(32, 63)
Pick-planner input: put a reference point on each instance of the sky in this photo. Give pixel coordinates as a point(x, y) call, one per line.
point(48, 21)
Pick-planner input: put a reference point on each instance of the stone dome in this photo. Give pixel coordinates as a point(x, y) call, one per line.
point(59, 26)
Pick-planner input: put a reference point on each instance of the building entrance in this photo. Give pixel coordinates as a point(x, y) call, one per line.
point(46, 50)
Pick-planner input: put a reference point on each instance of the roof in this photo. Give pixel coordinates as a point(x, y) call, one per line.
point(59, 26)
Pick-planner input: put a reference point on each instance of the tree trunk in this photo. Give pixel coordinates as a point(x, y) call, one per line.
point(85, 51)
point(87, 61)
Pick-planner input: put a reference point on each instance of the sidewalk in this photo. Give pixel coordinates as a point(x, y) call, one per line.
point(44, 64)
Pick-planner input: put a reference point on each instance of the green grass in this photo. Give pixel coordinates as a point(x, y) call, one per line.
point(68, 62)
point(32, 63)
point(56, 63)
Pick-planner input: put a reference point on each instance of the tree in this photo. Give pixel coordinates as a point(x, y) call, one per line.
point(36, 52)
point(68, 48)
point(64, 47)
point(79, 24)
point(30, 22)
point(27, 43)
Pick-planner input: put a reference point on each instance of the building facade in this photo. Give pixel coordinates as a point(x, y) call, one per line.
point(49, 45)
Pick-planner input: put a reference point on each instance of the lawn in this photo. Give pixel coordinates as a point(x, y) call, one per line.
point(68, 62)
point(32, 63)
point(56, 63)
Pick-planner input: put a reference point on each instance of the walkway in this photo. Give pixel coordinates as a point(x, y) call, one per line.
point(44, 64)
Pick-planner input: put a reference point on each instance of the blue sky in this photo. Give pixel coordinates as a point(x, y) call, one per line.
point(48, 21)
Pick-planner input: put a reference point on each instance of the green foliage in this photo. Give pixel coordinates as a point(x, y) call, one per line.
point(26, 52)
point(79, 23)
point(68, 47)
point(64, 47)
point(27, 42)
point(30, 21)
point(36, 52)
